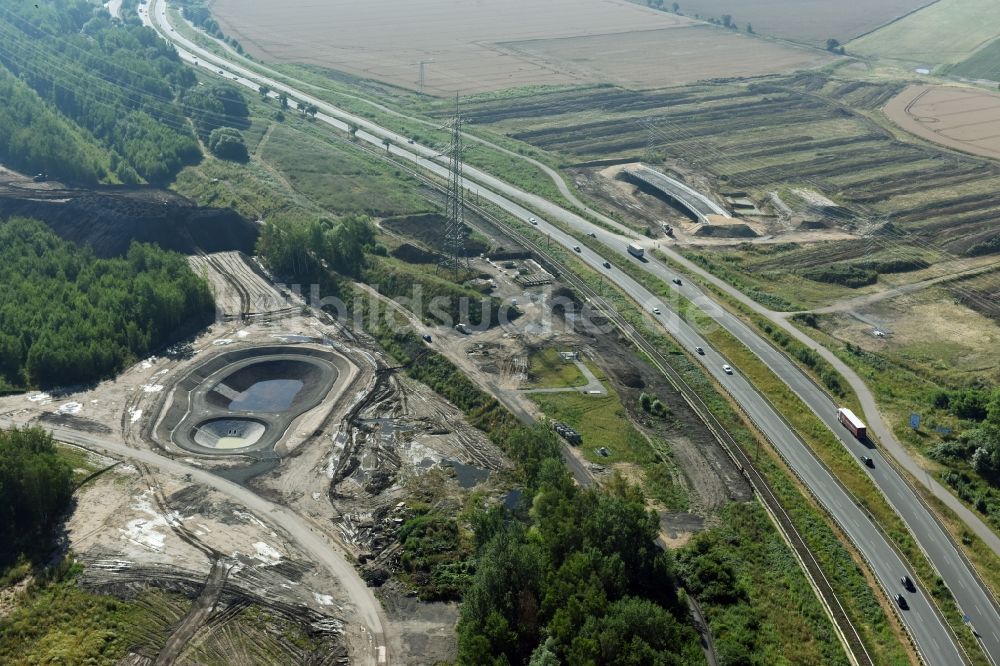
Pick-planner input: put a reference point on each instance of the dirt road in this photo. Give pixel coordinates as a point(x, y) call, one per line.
point(365, 637)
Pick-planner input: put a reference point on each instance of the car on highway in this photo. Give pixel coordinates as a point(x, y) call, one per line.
point(907, 584)
point(592, 234)
point(901, 602)
point(866, 461)
point(677, 281)
point(533, 220)
point(656, 310)
point(701, 352)
point(607, 264)
point(727, 369)
point(576, 248)
point(426, 337)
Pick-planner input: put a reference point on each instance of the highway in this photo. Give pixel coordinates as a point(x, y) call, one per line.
point(932, 638)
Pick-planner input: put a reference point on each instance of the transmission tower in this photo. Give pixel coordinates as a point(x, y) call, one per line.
point(454, 229)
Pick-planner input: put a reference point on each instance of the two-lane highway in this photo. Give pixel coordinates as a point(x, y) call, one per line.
point(932, 638)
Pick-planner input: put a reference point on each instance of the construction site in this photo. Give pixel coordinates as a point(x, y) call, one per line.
point(283, 405)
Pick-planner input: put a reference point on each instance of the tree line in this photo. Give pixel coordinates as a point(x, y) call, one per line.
point(69, 317)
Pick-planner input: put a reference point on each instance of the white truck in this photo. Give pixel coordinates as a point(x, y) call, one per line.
point(636, 250)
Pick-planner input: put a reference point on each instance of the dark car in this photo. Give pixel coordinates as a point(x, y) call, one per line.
point(677, 281)
point(901, 602)
point(868, 462)
point(701, 352)
point(607, 264)
point(907, 583)
point(426, 337)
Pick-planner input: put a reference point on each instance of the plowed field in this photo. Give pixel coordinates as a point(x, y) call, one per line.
point(470, 47)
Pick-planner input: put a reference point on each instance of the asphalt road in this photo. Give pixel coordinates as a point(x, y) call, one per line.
point(366, 609)
point(933, 640)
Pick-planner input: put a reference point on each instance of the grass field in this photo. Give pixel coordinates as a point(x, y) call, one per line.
point(808, 21)
point(547, 369)
point(473, 47)
point(338, 178)
point(983, 64)
point(945, 32)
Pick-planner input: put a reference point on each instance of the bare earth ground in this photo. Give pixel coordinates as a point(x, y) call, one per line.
point(928, 328)
point(966, 119)
point(653, 58)
point(812, 21)
point(479, 46)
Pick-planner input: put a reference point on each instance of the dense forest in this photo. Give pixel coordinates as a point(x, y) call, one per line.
point(124, 87)
point(69, 317)
point(35, 489)
point(578, 581)
point(305, 250)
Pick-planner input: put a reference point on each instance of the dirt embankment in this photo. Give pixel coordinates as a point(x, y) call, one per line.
point(110, 218)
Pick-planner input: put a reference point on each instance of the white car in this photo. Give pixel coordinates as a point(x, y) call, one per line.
point(727, 369)
point(656, 310)
point(533, 220)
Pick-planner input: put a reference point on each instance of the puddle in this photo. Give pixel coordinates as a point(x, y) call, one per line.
point(468, 476)
point(270, 395)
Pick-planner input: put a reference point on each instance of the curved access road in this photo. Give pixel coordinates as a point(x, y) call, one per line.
point(366, 609)
point(932, 639)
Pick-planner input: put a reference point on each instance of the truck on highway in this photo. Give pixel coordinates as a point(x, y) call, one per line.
point(851, 422)
point(636, 250)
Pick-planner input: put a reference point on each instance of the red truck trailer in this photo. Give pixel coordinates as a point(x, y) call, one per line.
point(851, 422)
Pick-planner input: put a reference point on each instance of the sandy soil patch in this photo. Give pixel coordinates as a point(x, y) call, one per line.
point(476, 46)
point(966, 119)
point(928, 328)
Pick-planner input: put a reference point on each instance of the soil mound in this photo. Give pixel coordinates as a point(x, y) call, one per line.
point(726, 231)
point(110, 218)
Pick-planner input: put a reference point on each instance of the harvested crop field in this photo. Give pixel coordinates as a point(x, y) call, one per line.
point(810, 129)
point(967, 119)
point(809, 21)
point(475, 47)
point(696, 53)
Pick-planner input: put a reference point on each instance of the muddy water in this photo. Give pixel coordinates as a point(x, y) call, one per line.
point(272, 395)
